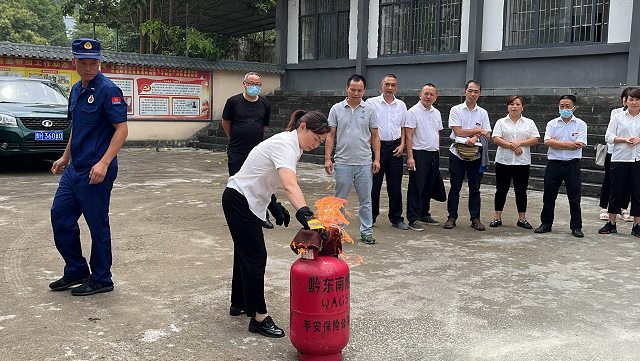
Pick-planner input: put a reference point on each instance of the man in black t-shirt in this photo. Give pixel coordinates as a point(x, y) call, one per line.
point(243, 119)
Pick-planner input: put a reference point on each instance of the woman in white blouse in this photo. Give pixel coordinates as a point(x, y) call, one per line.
point(624, 133)
point(270, 165)
point(514, 135)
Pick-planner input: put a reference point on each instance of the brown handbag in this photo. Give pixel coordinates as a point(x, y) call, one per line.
point(468, 152)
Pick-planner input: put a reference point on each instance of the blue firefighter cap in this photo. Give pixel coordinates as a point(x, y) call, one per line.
point(86, 48)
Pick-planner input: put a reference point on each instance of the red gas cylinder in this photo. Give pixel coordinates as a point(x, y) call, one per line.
point(319, 327)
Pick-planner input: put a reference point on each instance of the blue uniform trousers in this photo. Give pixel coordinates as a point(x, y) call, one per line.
point(75, 197)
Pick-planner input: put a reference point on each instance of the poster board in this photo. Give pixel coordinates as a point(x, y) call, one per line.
point(150, 93)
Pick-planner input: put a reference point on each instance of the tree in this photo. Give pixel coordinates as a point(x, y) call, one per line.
point(32, 21)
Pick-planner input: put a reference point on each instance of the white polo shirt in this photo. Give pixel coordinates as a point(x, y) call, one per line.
point(507, 129)
point(624, 125)
point(390, 117)
point(461, 116)
point(573, 131)
point(426, 124)
point(258, 178)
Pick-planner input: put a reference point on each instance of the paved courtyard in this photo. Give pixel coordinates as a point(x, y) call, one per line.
point(502, 294)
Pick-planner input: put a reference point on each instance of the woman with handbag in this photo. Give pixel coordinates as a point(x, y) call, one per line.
point(514, 135)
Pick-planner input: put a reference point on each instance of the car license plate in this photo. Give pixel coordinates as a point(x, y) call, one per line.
point(49, 136)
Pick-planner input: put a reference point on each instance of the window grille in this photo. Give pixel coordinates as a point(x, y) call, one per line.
point(534, 22)
point(419, 26)
point(324, 29)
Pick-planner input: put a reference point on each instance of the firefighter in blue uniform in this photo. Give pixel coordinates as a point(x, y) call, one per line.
point(89, 166)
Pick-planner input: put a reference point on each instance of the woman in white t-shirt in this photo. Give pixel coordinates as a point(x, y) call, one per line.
point(623, 132)
point(605, 189)
point(270, 165)
point(514, 135)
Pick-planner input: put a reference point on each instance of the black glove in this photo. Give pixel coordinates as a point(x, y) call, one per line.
point(280, 213)
point(303, 215)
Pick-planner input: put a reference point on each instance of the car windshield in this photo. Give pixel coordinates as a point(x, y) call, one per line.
point(30, 92)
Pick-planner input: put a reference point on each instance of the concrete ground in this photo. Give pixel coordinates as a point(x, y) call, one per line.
point(502, 294)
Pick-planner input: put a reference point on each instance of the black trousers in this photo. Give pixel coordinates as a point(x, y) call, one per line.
point(605, 190)
point(625, 186)
point(421, 182)
point(520, 176)
point(249, 253)
point(235, 162)
point(392, 168)
point(556, 172)
point(457, 170)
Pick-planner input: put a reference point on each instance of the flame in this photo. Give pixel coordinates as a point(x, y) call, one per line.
point(331, 213)
point(355, 260)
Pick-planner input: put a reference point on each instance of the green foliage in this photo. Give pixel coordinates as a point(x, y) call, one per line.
point(91, 11)
point(128, 37)
point(154, 29)
point(32, 21)
point(263, 6)
point(196, 44)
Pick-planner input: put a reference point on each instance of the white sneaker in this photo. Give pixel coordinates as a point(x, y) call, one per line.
point(626, 216)
point(604, 215)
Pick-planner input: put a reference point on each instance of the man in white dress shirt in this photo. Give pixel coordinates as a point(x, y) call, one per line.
point(468, 122)
point(390, 112)
point(423, 123)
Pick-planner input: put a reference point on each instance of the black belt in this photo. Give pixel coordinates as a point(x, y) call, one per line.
point(390, 142)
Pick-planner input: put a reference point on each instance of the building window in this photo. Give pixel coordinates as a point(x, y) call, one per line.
point(419, 26)
point(324, 29)
point(534, 22)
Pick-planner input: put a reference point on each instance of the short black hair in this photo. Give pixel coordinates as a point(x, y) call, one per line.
point(466, 86)
point(625, 92)
point(357, 78)
point(570, 97)
point(633, 93)
point(390, 75)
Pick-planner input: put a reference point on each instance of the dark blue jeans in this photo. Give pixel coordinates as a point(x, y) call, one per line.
point(458, 168)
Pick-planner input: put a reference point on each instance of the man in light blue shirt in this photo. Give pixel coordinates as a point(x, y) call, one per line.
point(565, 136)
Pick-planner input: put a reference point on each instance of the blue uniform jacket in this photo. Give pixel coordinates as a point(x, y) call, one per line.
point(93, 111)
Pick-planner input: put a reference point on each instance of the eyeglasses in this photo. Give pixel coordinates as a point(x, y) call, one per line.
point(252, 84)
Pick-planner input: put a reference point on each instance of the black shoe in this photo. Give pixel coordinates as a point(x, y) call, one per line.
point(635, 231)
point(429, 221)
point(477, 225)
point(608, 228)
point(63, 284)
point(400, 225)
point(449, 224)
point(267, 224)
point(577, 232)
point(495, 223)
point(544, 228)
point(90, 287)
point(266, 328)
point(524, 224)
point(416, 226)
point(236, 311)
